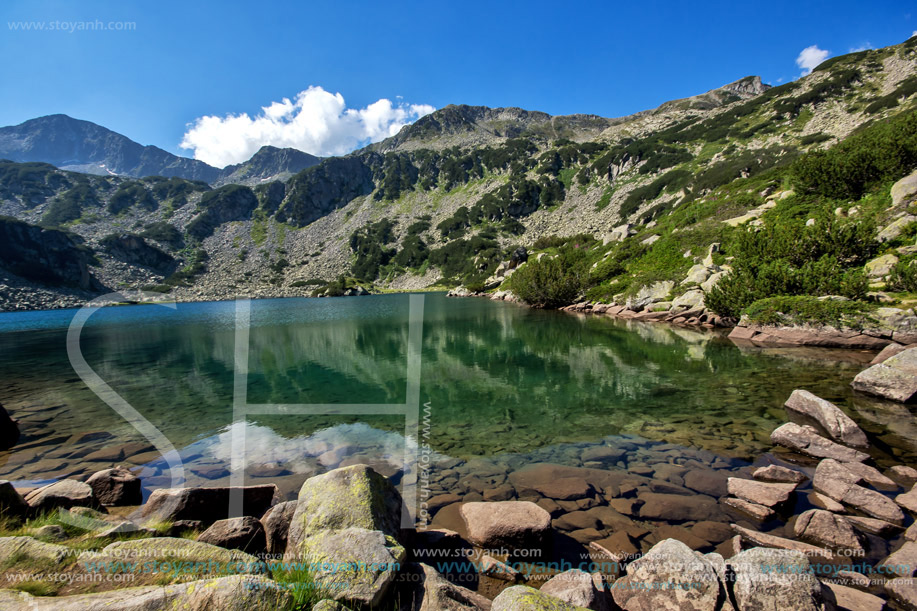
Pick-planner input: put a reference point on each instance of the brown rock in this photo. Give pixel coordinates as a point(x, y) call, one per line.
point(829, 417)
point(11, 502)
point(679, 533)
point(576, 520)
point(492, 567)
point(765, 540)
point(205, 504)
point(619, 547)
point(603, 454)
point(839, 483)
point(64, 494)
point(628, 507)
point(825, 502)
point(895, 378)
point(776, 473)
point(903, 591)
point(245, 534)
point(706, 481)
point(887, 352)
point(902, 563)
point(714, 532)
point(276, 524)
point(514, 524)
point(758, 512)
point(565, 489)
point(435, 503)
point(116, 487)
point(761, 493)
point(828, 530)
point(430, 591)
point(806, 440)
point(678, 508)
point(503, 492)
point(908, 500)
point(873, 526)
point(903, 475)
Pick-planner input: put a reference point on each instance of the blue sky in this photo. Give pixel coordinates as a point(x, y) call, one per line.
point(191, 59)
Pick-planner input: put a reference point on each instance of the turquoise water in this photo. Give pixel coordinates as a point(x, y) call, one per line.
point(500, 379)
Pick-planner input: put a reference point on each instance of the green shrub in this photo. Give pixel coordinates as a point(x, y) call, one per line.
point(546, 283)
point(805, 309)
point(903, 276)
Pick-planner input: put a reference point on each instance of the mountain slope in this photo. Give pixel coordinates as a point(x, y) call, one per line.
point(86, 147)
point(269, 163)
point(450, 197)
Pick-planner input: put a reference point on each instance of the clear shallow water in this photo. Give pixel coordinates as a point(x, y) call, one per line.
point(500, 379)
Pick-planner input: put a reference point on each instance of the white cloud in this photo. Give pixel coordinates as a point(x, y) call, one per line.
point(863, 47)
point(315, 121)
point(811, 57)
point(914, 33)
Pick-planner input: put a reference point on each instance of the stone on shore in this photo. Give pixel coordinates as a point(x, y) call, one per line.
point(576, 588)
point(116, 487)
point(171, 550)
point(430, 591)
point(806, 440)
point(839, 426)
point(642, 589)
point(11, 502)
point(206, 505)
point(760, 493)
point(24, 549)
point(774, 542)
point(895, 378)
point(513, 524)
point(828, 530)
point(277, 526)
point(849, 599)
point(903, 562)
point(873, 526)
point(524, 598)
point(908, 500)
point(776, 473)
point(9, 430)
point(245, 534)
point(64, 494)
point(907, 476)
point(775, 579)
point(234, 593)
point(903, 590)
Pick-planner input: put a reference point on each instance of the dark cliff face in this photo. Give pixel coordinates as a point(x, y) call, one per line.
point(229, 203)
point(44, 255)
point(315, 192)
point(64, 142)
point(269, 161)
point(134, 249)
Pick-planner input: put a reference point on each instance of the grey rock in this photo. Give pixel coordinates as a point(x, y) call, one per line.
point(761, 493)
point(167, 549)
point(524, 598)
point(431, 592)
point(329, 605)
point(65, 494)
point(775, 579)
point(776, 473)
point(895, 378)
point(27, 548)
point(904, 190)
point(577, 588)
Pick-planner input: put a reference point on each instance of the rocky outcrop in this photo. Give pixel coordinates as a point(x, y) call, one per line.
point(205, 504)
point(894, 378)
point(321, 189)
point(229, 203)
point(48, 256)
point(839, 426)
point(514, 524)
point(116, 487)
point(133, 249)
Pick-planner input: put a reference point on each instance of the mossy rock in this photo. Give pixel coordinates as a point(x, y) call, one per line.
point(524, 598)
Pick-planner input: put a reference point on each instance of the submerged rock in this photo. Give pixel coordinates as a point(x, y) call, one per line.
point(806, 440)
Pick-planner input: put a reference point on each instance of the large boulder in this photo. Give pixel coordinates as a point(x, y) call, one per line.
point(9, 430)
point(895, 378)
point(895, 228)
point(904, 191)
point(775, 579)
point(245, 534)
point(357, 566)
point(510, 524)
point(649, 295)
point(206, 505)
point(839, 426)
point(430, 591)
point(277, 526)
point(116, 487)
point(64, 494)
point(11, 502)
point(577, 588)
point(234, 593)
point(806, 440)
point(347, 522)
point(524, 598)
point(670, 561)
